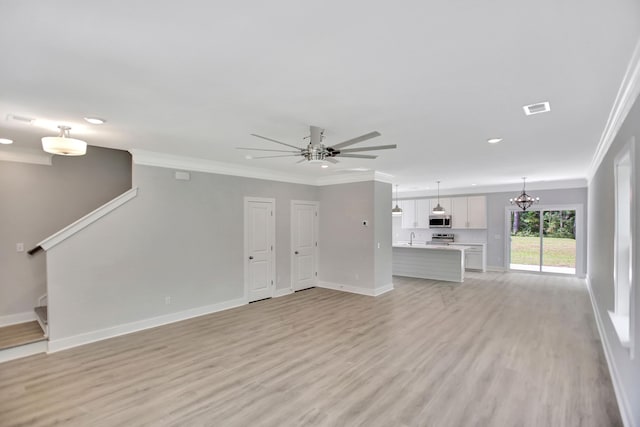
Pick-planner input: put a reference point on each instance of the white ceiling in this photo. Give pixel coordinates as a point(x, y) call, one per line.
point(195, 78)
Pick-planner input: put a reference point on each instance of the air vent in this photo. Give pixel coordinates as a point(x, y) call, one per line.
point(540, 107)
point(21, 119)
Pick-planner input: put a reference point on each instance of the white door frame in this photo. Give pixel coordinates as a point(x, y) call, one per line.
point(317, 234)
point(580, 234)
point(272, 226)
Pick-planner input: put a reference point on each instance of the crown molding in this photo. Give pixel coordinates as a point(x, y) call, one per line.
point(533, 186)
point(626, 97)
point(164, 160)
point(36, 157)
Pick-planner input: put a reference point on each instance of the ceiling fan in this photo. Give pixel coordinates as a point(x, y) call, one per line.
point(316, 151)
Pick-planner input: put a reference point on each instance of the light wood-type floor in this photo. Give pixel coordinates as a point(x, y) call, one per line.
point(22, 333)
point(501, 349)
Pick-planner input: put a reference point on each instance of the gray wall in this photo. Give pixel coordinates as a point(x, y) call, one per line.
point(37, 201)
point(601, 258)
point(346, 254)
point(182, 239)
point(382, 234)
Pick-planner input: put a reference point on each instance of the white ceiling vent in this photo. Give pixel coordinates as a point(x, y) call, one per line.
point(540, 107)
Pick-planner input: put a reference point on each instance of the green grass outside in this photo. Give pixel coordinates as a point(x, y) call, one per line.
point(557, 252)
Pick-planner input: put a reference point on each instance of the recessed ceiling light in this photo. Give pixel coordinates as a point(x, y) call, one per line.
point(324, 166)
point(537, 108)
point(95, 120)
point(473, 185)
point(6, 141)
point(248, 157)
point(494, 140)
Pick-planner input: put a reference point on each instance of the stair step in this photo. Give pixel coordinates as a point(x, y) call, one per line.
point(20, 334)
point(41, 312)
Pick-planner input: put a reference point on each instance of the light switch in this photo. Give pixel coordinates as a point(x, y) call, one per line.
point(19, 247)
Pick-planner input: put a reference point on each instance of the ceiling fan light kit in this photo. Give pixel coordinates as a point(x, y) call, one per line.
point(524, 201)
point(63, 144)
point(317, 152)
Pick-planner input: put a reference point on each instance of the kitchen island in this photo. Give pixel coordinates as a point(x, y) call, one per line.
point(438, 262)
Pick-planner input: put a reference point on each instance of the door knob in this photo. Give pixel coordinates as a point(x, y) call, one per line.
point(250, 257)
point(296, 252)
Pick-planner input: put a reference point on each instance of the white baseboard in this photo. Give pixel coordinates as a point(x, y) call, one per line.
point(496, 268)
point(383, 290)
point(23, 351)
point(621, 397)
point(14, 319)
point(127, 328)
point(355, 289)
point(282, 292)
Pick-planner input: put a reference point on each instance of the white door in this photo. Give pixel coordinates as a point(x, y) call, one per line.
point(304, 244)
point(259, 231)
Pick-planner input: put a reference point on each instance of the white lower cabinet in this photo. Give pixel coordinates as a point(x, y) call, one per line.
point(475, 257)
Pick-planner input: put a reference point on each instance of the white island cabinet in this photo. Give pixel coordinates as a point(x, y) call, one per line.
point(429, 262)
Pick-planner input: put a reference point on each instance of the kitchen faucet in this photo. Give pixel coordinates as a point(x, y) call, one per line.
point(411, 236)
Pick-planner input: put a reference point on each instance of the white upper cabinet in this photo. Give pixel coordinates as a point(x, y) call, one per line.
point(459, 212)
point(469, 212)
point(408, 213)
point(422, 213)
point(477, 211)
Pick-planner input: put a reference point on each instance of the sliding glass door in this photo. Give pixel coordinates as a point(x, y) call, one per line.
point(543, 240)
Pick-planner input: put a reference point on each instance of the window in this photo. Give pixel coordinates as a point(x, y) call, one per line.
point(623, 245)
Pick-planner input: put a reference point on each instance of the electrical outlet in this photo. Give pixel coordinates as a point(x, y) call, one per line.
point(167, 300)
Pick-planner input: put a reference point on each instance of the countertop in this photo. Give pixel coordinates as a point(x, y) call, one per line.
point(431, 247)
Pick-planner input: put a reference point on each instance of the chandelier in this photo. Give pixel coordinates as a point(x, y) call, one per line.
point(524, 201)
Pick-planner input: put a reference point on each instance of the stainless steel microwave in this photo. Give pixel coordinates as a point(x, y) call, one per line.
point(439, 221)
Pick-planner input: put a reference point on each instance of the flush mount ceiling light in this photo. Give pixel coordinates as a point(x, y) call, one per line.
point(397, 211)
point(524, 201)
point(438, 210)
point(95, 120)
point(6, 141)
point(537, 108)
point(494, 140)
point(63, 144)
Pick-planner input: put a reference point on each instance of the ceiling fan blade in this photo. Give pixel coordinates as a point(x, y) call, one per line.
point(279, 155)
point(331, 160)
point(277, 142)
point(358, 156)
point(379, 147)
point(355, 140)
point(265, 149)
point(301, 161)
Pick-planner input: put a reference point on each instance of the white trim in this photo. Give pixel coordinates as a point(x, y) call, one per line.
point(127, 328)
point(316, 226)
point(164, 160)
point(495, 269)
point(282, 292)
point(621, 397)
point(88, 219)
point(23, 351)
point(382, 290)
point(36, 157)
point(272, 227)
point(626, 97)
point(355, 289)
point(14, 319)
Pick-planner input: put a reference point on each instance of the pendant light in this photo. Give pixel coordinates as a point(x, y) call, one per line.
point(524, 201)
point(63, 144)
point(397, 211)
point(438, 210)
